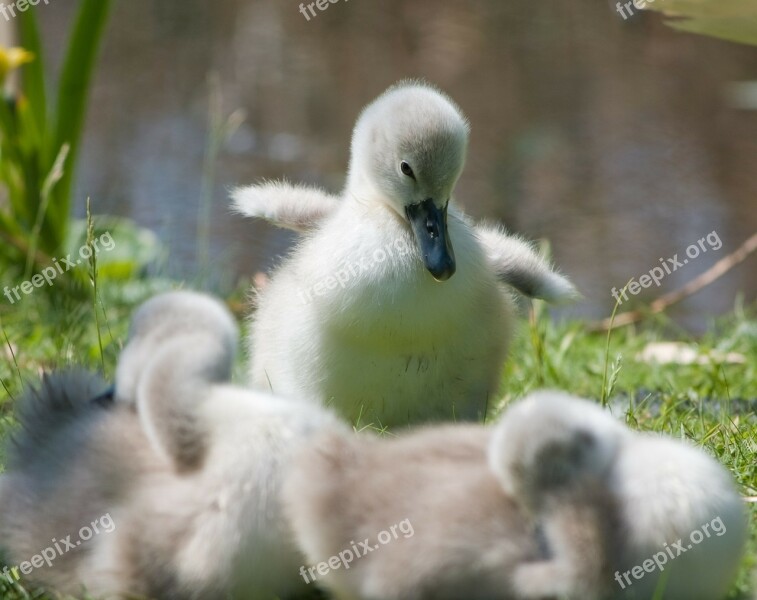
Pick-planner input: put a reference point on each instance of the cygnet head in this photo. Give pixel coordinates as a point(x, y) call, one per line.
point(551, 440)
point(161, 320)
point(408, 150)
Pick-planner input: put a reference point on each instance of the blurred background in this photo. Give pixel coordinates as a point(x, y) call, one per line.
point(618, 140)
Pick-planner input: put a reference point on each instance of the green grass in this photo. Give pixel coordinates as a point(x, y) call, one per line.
point(712, 405)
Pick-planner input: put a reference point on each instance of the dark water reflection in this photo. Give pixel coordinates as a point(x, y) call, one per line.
point(612, 139)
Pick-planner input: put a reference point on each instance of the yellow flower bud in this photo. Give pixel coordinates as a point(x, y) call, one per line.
point(11, 59)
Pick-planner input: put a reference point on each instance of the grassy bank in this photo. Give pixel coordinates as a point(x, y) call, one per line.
point(711, 401)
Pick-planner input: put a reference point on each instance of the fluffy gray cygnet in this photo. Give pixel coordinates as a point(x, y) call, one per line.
point(185, 466)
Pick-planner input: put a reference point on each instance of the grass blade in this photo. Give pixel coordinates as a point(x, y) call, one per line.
point(605, 391)
point(55, 175)
point(93, 278)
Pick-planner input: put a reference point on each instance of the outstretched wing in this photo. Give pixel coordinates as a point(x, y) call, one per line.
point(296, 207)
point(519, 265)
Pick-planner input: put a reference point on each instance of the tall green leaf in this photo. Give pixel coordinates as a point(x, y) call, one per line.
point(76, 75)
point(34, 72)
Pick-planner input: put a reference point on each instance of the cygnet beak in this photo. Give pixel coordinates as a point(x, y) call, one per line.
point(430, 228)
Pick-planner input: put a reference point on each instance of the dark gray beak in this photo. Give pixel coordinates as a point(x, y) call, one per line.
point(430, 228)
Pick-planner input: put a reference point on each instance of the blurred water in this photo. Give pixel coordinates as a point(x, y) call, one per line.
point(610, 138)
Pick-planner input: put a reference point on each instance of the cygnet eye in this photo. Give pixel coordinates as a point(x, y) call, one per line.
point(407, 169)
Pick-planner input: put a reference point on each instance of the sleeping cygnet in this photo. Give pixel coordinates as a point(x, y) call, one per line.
point(419, 516)
point(185, 466)
point(558, 500)
point(391, 310)
point(428, 514)
point(652, 515)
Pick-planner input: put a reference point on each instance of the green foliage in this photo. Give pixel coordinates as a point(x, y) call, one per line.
point(39, 145)
point(733, 20)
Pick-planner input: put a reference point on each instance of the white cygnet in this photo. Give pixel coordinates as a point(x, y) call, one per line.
point(624, 515)
point(391, 310)
point(304, 208)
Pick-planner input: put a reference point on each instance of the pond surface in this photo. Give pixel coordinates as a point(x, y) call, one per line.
point(614, 139)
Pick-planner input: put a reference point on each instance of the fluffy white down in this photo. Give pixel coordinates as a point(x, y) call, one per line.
point(353, 319)
point(390, 345)
point(237, 522)
point(671, 490)
point(666, 490)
